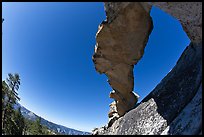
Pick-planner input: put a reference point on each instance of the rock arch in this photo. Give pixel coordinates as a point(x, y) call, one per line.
point(121, 40)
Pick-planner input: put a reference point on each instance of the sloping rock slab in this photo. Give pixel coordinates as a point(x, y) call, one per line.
point(160, 111)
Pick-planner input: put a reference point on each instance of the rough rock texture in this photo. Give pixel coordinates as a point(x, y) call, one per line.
point(120, 44)
point(173, 107)
point(189, 120)
point(188, 13)
point(121, 40)
point(112, 9)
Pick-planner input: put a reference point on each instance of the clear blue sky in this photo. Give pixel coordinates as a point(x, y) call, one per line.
point(51, 46)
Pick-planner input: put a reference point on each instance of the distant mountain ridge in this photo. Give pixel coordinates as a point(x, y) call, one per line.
point(52, 126)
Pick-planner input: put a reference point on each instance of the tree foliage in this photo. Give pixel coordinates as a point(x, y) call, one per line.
point(9, 98)
point(19, 122)
point(36, 128)
point(13, 122)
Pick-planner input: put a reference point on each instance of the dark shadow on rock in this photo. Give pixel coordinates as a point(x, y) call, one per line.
point(162, 111)
point(155, 113)
point(180, 85)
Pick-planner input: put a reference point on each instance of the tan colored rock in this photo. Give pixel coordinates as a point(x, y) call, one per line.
point(125, 102)
point(121, 40)
point(113, 114)
point(113, 110)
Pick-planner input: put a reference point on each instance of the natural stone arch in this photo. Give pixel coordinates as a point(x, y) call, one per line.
point(121, 40)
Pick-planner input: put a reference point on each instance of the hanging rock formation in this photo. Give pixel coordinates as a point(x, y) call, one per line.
point(174, 106)
point(120, 44)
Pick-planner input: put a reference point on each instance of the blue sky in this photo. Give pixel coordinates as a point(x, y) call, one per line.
point(51, 45)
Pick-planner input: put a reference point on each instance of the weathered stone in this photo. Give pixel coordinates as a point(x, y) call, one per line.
point(121, 40)
point(189, 120)
point(175, 101)
point(112, 9)
point(120, 44)
point(113, 110)
point(188, 13)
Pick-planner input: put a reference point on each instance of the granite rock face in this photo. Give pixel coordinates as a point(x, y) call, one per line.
point(121, 40)
point(173, 107)
point(189, 14)
point(189, 120)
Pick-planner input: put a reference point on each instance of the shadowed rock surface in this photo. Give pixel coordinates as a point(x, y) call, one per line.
point(173, 107)
point(189, 14)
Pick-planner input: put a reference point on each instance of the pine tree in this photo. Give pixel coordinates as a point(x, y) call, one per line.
point(8, 122)
point(7, 108)
point(26, 127)
point(13, 122)
point(36, 127)
point(4, 92)
point(9, 98)
point(18, 122)
point(39, 126)
point(13, 82)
